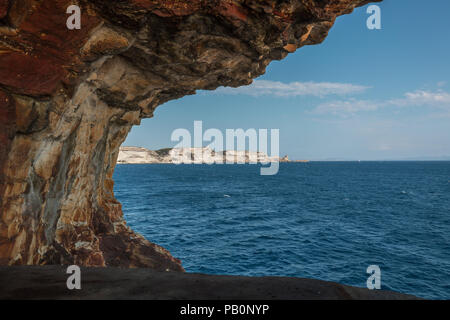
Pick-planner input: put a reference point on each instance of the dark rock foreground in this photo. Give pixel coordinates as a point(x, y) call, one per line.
point(49, 282)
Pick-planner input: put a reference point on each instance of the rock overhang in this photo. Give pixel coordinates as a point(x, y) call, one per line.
point(68, 98)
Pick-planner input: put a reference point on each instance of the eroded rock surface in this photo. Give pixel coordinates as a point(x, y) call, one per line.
point(68, 98)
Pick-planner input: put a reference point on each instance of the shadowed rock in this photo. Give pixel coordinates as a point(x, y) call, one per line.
point(49, 282)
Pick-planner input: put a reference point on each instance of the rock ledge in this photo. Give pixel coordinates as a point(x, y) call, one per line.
point(49, 282)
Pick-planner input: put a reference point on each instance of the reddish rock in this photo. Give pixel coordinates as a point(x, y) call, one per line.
point(232, 11)
point(44, 54)
point(4, 4)
point(169, 8)
point(30, 75)
point(7, 131)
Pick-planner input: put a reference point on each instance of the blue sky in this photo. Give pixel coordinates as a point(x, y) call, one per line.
point(361, 95)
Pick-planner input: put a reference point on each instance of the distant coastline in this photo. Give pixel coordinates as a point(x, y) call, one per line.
point(140, 155)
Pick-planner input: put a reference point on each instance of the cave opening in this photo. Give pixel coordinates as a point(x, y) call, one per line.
point(69, 105)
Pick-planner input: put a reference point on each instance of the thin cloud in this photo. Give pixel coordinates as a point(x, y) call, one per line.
point(350, 106)
point(419, 98)
point(439, 99)
point(293, 89)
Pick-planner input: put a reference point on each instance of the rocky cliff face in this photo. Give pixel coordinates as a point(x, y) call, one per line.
point(68, 98)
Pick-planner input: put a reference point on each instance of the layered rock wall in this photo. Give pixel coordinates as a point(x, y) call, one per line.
point(68, 98)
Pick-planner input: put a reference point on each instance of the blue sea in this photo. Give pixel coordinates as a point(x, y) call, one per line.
point(322, 220)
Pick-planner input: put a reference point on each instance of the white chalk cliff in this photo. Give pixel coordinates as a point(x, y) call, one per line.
point(138, 155)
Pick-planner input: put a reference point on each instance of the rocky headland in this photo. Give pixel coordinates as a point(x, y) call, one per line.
point(139, 155)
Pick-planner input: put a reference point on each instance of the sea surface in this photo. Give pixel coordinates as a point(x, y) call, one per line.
point(322, 220)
